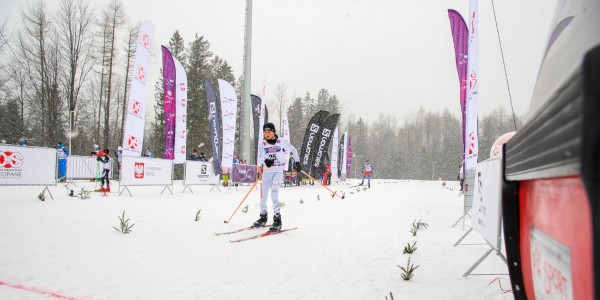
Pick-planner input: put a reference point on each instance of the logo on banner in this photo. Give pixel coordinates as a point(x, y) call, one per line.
point(145, 39)
point(138, 170)
point(183, 119)
point(203, 169)
point(213, 108)
point(473, 81)
point(182, 149)
point(314, 128)
point(228, 100)
point(136, 108)
point(11, 160)
point(140, 74)
point(471, 143)
point(133, 142)
point(183, 102)
point(182, 86)
point(326, 132)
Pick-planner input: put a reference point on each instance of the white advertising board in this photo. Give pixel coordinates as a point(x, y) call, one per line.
point(137, 171)
point(27, 165)
point(487, 195)
point(198, 172)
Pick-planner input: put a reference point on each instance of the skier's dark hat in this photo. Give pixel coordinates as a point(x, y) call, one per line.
point(269, 126)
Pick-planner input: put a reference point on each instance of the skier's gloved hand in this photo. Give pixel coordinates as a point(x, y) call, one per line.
point(297, 166)
point(269, 162)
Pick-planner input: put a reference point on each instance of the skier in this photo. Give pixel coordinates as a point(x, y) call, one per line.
point(63, 152)
point(367, 169)
point(105, 161)
point(271, 152)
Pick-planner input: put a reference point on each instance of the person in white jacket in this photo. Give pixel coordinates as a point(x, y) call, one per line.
point(272, 153)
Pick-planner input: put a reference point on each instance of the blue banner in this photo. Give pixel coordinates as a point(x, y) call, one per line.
point(214, 125)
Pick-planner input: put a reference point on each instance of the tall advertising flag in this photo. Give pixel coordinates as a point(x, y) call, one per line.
point(262, 119)
point(349, 156)
point(180, 113)
point(311, 136)
point(344, 157)
point(214, 126)
point(322, 144)
point(256, 108)
point(471, 141)
point(335, 155)
point(133, 134)
point(286, 126)
point(169, 102)
point(228, 113)
point(460, 36)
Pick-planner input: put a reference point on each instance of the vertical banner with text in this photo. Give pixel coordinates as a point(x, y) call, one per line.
point(472, 143)
point(169, 96)
point(460, 37)
point(133, 134)
point(180, 113)
point(228, 116)
point(335, 153)
point(214, 125)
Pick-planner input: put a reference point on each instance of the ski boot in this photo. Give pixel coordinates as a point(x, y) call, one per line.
point(262, 221)
point(101, 190)
point(276, 223)
point(107, 189)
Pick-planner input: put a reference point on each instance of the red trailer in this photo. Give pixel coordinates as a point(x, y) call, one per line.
point(551, 192)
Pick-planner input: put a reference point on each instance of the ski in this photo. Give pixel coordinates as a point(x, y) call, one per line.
point(264, 234)
point(240, 230)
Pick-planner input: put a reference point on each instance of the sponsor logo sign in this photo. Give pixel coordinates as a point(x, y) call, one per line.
point(10, 165)
point(133, 143)
point(138, 170)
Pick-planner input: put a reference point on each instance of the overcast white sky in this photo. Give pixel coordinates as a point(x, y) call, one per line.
point(378, 56)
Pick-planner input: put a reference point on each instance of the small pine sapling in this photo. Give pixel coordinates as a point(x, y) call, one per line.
point(409, 249)
point(42, 196)
point(421, 225)
point(391, 297)
point(245, 209)
point(198, 215)
point(414, 230)
point(301, 201)
point(408, 272)
point(124, 224)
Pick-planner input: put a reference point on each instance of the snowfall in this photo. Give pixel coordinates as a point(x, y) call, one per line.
point(351, 248)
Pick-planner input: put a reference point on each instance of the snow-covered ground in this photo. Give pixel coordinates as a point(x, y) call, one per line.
point(66, 248)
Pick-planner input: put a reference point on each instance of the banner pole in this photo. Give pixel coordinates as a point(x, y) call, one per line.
point(248, 193)
point(332, 192)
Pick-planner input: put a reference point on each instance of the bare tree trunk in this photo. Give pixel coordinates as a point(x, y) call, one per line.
point(114, 17)
point(75, 20)
point(280, 95)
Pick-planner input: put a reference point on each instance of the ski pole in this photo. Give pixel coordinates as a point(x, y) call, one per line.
point(248, 193)
point(332, 192)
